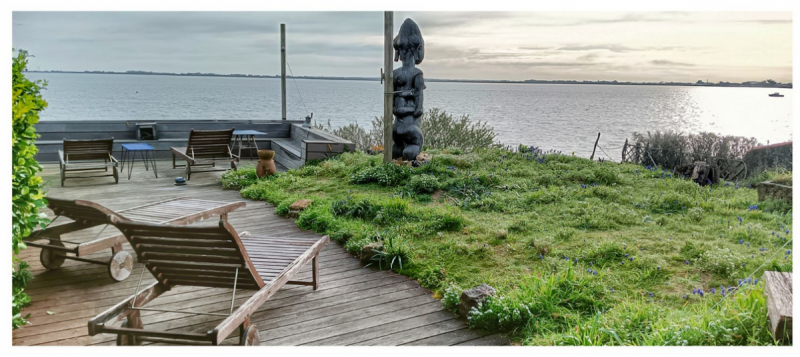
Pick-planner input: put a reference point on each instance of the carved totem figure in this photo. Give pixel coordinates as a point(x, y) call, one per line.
point(408, 84)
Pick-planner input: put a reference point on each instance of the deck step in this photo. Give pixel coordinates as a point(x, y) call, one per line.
point(287, 152)
point(778, 288)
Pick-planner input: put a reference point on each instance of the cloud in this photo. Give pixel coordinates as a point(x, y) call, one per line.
point(670, 63)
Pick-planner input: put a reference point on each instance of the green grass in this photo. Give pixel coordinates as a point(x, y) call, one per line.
point(580, 252)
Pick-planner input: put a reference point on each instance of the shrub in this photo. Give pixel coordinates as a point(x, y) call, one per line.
point(27, 195)
point(423, 184)
point(722, 261)
point(387, 174)
point(669, 149)
point(441, 131)
point(241, 178)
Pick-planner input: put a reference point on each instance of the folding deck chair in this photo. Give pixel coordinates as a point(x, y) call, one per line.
point(205, 148)
point(86, 214)
point(86, 155)
point(208, 257)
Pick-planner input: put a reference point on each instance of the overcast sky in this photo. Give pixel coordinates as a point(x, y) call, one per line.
point(672, 46)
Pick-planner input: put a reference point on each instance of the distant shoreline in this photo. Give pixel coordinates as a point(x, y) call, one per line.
point(751, 84)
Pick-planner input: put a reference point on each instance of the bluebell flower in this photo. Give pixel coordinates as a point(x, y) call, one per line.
point(741, 241)
point(684, 295)
point(623, 262)
point(651, 294)
point(540, 256)
point(687, 262)
point(631, 258)
point(753, 207)
point(713, 291)
point(612, 289)
point(699, 291)
point(788, 252)
point(694, 291)
point(658, 267)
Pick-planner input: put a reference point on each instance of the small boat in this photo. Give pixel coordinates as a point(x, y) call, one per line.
point(776, 94)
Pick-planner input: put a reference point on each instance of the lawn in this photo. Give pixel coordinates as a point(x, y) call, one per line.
point(580, 252)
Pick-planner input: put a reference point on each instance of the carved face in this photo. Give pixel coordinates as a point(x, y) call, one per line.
point(409, 43)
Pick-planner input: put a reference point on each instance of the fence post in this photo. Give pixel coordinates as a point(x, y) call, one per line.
point(595, 146)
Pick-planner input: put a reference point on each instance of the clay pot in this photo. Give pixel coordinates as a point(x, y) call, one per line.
point(266, 163)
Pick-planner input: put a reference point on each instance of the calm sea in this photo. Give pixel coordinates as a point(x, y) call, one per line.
point(553, 116)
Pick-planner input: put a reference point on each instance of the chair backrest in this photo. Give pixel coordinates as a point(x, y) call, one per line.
point(209, 143)
point(192, 255)
point(85, 212)
point(95, 149)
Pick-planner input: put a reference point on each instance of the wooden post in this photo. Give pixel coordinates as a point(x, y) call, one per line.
point(388, 88)
point(778, 289)
point(595, 146)
point(283, 71)
point(624, 148)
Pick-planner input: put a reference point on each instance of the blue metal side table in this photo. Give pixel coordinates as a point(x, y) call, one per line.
point(249, 137)
point(129, 156)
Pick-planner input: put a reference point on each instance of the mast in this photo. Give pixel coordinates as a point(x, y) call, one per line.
point(283, 71)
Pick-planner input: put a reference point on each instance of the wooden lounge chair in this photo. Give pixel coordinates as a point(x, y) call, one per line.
point(208, 257)
point(85, 155)
point(205, 148)
point(86, 214)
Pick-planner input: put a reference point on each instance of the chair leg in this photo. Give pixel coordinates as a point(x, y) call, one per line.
point(315, 271)
point(63, 174)
point(134, 320)
point(173, 161)
point(116, 175)
point(188, 172)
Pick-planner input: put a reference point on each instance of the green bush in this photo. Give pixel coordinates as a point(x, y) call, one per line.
point(441, 131)
point(669, 149)
point(387, 174)
point(241, 178)
point(27, 195)
point(423, 184)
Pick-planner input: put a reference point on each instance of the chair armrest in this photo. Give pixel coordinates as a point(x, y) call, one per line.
point(111, 157)
point(61, 157)
point(181, 154)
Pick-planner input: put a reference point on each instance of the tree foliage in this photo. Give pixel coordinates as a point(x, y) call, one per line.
point(27, 195)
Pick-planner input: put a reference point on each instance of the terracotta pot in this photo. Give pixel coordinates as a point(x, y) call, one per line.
point(266, 163)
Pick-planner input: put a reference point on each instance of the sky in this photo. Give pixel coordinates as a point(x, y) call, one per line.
point(623, 46)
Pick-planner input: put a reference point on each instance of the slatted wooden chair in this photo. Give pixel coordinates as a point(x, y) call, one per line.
point(207, 257)
point(87, 214)
point(205, 148)
point(86, 155)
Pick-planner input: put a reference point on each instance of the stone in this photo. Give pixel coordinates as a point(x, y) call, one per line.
point(408, 84)
point(298, 206)
point(772, 191)
point(472, 297)
point(368, 251)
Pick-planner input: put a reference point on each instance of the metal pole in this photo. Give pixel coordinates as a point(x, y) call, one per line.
point(283, 71)
point(388, 87)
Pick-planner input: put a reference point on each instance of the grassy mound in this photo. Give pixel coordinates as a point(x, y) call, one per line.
point(580, 252)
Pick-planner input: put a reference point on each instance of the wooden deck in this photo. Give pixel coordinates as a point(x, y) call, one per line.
point(353, 306)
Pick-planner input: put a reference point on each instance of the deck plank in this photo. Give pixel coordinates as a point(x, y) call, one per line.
point(354, 305)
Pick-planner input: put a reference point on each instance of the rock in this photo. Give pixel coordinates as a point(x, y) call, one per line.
point(773, 191)
point(470, 298)
point(368, 251)
point(298, 206)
